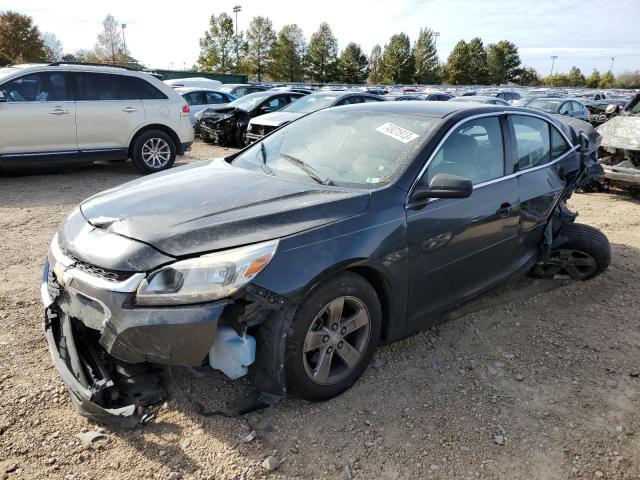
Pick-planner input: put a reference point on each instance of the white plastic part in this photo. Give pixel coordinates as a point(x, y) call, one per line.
point(231, 353)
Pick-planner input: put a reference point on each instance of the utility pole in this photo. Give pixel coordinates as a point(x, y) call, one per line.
point(124, 41)
point(553, 60)
point(435, 38)
point(236, 9)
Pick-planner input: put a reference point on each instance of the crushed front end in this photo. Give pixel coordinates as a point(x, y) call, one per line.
point(106, 349)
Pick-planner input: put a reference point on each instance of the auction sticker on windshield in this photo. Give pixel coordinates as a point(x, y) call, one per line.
point(395, 131)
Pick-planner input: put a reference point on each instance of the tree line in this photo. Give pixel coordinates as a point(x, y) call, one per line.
point(22, 42)
point(264, 54)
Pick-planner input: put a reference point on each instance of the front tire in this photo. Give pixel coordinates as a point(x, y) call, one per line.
point(585, 254)
point(241, 137)
point(333, 336)
point(153, 151)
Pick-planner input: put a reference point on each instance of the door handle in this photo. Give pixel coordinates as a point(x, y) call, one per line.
point(504, 210)
point(129, 109)
point(59, 111)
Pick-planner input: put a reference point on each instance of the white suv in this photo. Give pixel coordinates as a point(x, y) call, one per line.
point(65, 112)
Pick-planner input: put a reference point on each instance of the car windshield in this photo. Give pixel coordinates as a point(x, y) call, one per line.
point(359, 149)
point(546, 105)
point(249, 102)
point(310, 103)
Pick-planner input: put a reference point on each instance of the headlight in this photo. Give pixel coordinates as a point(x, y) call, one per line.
point(205, 278)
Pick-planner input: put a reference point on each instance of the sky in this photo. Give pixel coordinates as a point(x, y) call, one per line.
point(585, 33)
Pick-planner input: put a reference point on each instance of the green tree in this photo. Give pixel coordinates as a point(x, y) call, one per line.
point(458, 71)
point(628, 79)
point(218, 46)
point(593, 80)
point(353, 65)
point(397, 61)
point(322, 54)
point(607, 80)
point(557, 80)
point(575, 77)
point(375, 65)
point(425, 58)
point(109, 46)
point(20, 39)
point(288, 54)
point(261, 39)
point(504, 62)
point(478, 67)
point(528, 76)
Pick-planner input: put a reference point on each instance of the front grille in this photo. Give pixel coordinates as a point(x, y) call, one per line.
point(53, 287)
point(110, 275)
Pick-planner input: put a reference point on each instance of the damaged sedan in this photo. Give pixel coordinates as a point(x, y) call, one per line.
point(620, 148)
point(227, 124)
point(297, 256)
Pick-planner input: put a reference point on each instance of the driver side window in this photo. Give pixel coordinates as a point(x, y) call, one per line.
point(474, 151)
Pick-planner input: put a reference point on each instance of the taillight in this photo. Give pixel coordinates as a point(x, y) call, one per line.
point(186, 109)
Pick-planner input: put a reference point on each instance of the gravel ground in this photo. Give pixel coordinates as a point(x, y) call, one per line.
point(537, 380)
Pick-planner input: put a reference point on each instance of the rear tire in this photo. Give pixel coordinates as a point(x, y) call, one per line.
point(338, 323)
point(153, 151)
point(585, 254)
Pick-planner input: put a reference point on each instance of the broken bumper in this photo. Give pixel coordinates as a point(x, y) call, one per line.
point(254, 137)
point(101, 345)
point(628, 176)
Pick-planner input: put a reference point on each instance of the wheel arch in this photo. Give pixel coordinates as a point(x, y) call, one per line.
point(156, 126)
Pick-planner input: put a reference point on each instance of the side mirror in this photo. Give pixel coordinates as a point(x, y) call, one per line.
point(2, 97)
point(264, 110)
point(443, 185)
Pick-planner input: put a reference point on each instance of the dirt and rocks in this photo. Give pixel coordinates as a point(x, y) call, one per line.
point(537, 381)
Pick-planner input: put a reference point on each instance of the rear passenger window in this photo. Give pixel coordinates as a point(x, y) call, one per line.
point(558, 144)
point(212, 98)
point(532, 141)
point(474, 151)
point(37, 87)
point(96, 86)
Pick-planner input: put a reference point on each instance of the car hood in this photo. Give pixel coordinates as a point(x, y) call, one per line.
point(276, 119)
point(622, 131)
point(215, 113)
point(213, 205)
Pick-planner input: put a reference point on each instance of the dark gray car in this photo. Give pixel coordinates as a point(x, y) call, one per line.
point(298, 255)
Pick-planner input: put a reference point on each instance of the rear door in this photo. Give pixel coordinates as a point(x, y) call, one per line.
point(542, 157)
point(460, 247)
point(108, 112)
point(39, 115)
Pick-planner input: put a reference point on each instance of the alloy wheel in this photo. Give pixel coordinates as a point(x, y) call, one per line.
point(575, 263)
point(336, 340)
point(156, 153)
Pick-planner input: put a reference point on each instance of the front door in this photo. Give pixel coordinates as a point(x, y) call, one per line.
point(38, 116)
point(460, 247)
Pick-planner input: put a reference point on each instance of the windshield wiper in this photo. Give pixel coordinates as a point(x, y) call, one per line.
point(264, 166)
point(308, 169)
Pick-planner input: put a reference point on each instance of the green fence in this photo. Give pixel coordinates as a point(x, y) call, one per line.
point(224, 78)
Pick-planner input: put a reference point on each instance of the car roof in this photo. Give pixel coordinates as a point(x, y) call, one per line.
point(437, 109)
point(195, 89)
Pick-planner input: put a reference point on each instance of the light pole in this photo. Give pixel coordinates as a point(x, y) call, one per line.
point(611, 69)
point(124, 41)
point(435, 38)
point(553, 60)
point(236, 9)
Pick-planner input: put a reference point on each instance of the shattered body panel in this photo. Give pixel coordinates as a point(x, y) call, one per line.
point(620, 152)
point(118, 240)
